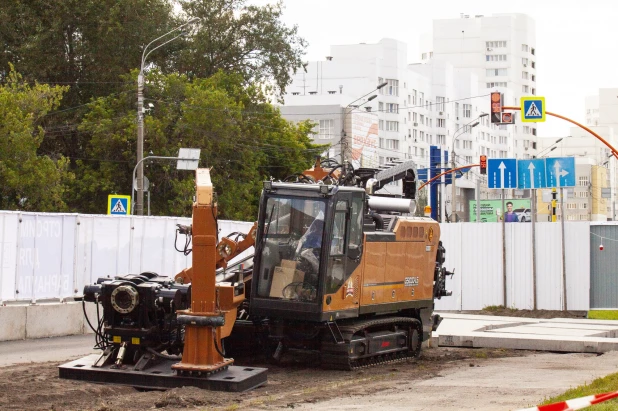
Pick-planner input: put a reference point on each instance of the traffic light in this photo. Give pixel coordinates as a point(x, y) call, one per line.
point(496, 107)
point(483, 164)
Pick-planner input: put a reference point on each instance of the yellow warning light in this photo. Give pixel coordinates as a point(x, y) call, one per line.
point(430, 234)
point(117, 339)
point(427, 211)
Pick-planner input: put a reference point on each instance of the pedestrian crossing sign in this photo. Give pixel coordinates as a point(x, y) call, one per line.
point(118, 204)
point(532, 109)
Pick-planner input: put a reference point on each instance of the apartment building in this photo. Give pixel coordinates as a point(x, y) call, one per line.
point(435, 102)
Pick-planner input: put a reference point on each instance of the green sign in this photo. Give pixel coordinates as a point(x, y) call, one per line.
point(491, 210)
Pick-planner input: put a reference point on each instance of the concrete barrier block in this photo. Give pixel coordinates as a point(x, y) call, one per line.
point(53, 320)
point(13, 320)
point(91, 311)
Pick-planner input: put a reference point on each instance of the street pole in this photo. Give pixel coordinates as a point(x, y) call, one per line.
point(139, 204)
point(533, 220)
point(453, 218)
point(135, 181)
point(564, 284)
point(478, 200)
point(503, 251)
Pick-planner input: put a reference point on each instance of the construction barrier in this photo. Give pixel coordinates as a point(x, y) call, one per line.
point(574, 404)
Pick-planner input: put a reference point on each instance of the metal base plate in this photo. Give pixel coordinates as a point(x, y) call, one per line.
point(160, 376)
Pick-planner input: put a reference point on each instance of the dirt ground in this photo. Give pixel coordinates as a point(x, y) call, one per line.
point(297, 382)
point(37, 386)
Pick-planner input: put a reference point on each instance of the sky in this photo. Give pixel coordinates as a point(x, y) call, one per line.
point(577, 41)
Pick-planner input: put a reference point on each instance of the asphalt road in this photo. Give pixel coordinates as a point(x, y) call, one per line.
point(45, 349)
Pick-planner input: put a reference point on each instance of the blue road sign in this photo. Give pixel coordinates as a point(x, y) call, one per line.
point(501, 173)
point(532, 109)
point(118, 204)
point(531, 173)
point(560, 171)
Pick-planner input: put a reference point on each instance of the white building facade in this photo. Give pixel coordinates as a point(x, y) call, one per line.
point(432, 103)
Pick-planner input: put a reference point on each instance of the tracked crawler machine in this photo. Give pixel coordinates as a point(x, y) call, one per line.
point(338, 270)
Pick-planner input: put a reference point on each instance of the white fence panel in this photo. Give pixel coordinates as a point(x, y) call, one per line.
point(518, 266)
point(577, 255)
point(549, 266)
point(42, 255)
point(55, 255)
point(9, 224)
point(481, 269)
point(450, 235)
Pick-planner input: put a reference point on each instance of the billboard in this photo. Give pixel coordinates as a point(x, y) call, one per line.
point(364, 140)
point(491, 210)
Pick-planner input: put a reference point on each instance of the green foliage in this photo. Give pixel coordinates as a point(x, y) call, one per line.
point(29, 181)
point(598, 386)
point(95, 49)
point(245, 39)
point(241, 136)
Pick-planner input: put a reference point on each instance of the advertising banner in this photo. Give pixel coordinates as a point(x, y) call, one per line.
point(491, 210)
point(364, 140)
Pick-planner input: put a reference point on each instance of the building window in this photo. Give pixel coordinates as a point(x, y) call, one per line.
point(440, 139)
point(392, 144)
point(582, 194)
point(583, 206)
point(440, 103)
point(422, 97)
point(524, 75)
point(424, 56)
point(524, 61)
point(392, 108)
point(381, 125)
point(467, 110)
point(391, 88)
point(422, 136)
point(467, 145)
point(380, 106)
point(440, 122)
point(495, 44)
point(524, 48)
point(583, 181)
point(571, 217)
point(414, 95)
point(422, 119)
point(495, 57)
point(392, 126)
point(381, 143)
point(414, 135)
point(326, 129)
point(415, 117)
point(496, 72)
point(496, 84)
point(525, 89)
point(571, 206)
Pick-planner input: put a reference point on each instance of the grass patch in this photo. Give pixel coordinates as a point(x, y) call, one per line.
point(598, 386)
point(493, 308)
point(603, 314)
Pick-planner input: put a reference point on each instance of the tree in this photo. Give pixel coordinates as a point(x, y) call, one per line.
point(29, 182)
point(84, 44)
point(241, 136)
point(246, 39)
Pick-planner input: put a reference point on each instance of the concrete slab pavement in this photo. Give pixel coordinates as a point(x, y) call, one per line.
point(558, 334)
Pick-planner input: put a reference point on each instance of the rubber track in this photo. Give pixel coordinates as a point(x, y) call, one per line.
point(336, 356)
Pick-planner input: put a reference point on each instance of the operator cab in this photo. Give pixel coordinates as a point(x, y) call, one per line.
point(309, 242)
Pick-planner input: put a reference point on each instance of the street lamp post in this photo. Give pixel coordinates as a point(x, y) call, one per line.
point(345, 112)
point(139, 204)
point(453, 219)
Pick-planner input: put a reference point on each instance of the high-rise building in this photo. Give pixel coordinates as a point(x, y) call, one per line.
point(501, 51)
point(439, 101)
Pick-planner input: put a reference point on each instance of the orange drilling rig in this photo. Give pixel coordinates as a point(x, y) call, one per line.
point(338, 270)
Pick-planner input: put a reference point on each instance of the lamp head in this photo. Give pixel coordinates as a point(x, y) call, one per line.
point(475, 124)
point(483, 115)
point(382, 85)
point(372, 97)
